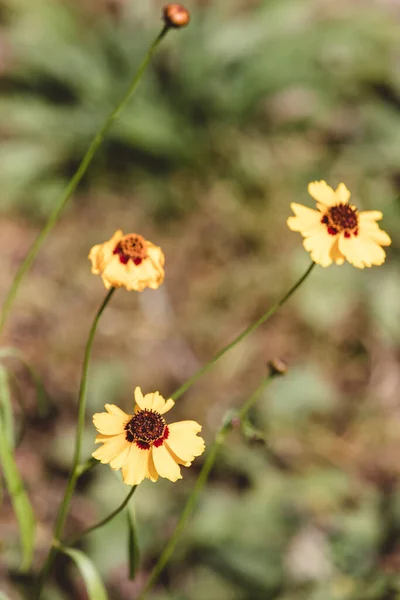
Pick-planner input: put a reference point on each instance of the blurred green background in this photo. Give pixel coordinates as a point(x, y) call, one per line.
point(236, 115)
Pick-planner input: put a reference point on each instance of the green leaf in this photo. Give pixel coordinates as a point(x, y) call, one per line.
point(20, 501)
point(94, 586)
point(133, 544)
point(40, 391)
point(3, 596)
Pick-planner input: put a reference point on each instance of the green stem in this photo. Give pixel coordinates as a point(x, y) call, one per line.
point(201, 480)
point(105, 520)
point(75, 180)
point(241, 336)
point(75, 470)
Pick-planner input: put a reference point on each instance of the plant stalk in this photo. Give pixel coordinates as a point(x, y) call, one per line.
point(76, 467)
point(75, 180)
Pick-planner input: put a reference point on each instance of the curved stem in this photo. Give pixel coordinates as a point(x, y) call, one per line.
point(103, 521)
point(201, 480)
point(75, 470)
point(74, 181)
point(271, 311)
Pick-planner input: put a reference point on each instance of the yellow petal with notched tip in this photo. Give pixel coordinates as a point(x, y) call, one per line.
point(165, 464)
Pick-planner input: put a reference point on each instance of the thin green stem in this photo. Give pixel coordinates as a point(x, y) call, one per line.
point(75, 470)
point(86, 466)
point(271, 311)
point(75, 180)
point(103, 521)
point(201, 480)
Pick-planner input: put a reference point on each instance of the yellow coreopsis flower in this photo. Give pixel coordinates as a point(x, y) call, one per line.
point(142, 444)
point(128, 261)
point(337, 231)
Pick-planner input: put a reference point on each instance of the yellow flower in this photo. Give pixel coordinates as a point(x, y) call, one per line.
point(142, 444)
point(128, 261)
point(337, 231)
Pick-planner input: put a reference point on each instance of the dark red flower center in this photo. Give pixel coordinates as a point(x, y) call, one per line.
point(146, 428)
point(341, 218)
point(131, 247)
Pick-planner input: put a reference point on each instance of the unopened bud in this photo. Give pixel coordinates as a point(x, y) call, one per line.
point(176, 15)
point(277, 366)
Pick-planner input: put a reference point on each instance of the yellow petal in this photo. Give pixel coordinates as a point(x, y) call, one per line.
point(361, 251)
point(116, 274)
point(151, 470)
point(95, 259)
point(320, 247)
point(184, 442)
point(370, 215)
point(156, 255)
point(111, 449)
point(372, 229)
point(342, 194)
point(165, 464)
point(380, 237)
point(131, 276)
point(167, 406)
point(322, 192)
point(307, 220)
point(110, 424)
point(157, 259)
point(153, 401)
point(335, 253)
point(121, 458)
point(135, 467)
point(102, 253)
point(139, 399)
point(113, 409)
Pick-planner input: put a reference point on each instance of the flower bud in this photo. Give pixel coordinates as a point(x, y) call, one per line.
point(176, 15)
point(277, 366)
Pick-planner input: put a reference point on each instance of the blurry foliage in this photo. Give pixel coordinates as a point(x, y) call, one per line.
point(305, 74)
point(238, 113)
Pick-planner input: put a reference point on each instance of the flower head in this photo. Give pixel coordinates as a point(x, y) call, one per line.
point(142, 444)
point(128, 261)
point(337, 231)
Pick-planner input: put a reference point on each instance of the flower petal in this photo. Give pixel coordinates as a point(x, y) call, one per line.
point(139, 399)
point(320, 247)
point(168, 404)
point(322, 192)
point(115, 274)
point(121, 458)
point(102, 253)
point(361, 251)
point(380, 237)
point(151, 470)
point(165, 464)
point(335, 253)
point(370, 215)
point(135, 467)
point(153, 401)
point(110, 449)
point(372, 229)
point(110, 423)
point(184, 441)
point(342, 194)
point(113, 409)
point(307, 220)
